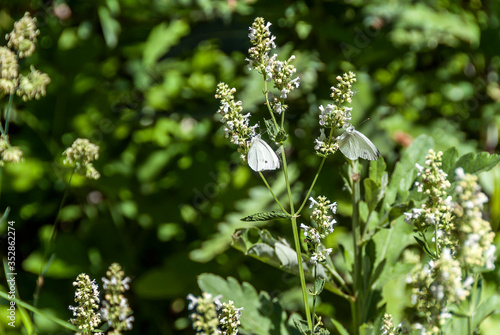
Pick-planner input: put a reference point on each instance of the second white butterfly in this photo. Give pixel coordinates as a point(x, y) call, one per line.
point(261, 156)
point(355, 145)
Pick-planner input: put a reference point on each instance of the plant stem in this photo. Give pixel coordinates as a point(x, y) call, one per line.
point(39, 282)
point(335, 274)
point(316, 176)
point(297, 243)
point(312, 185)
point(7, 115)
point(269, 105)
point(274, 196)
point(357, 280)
point(315, 293)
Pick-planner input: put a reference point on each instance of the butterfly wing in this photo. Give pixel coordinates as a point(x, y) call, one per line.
point(354, 145)
point(261, 156)
point(348, 145)
point(366, 148)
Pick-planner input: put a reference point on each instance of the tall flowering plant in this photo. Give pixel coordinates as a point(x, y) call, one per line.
point(443, 216)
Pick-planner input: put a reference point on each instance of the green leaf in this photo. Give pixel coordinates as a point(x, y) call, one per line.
point(339, 327)
point(266, 216)
point(389, 244)
point(371, 193)
point(163, 37)
point(302, 327)
point(424, 246)
point(39, 312)
point(366, 329)
point(261, 245)
point(110, 26)
point(261, 314)
point(378, 272)
point(405, 172)
point(271, 129)
point(449, 159)
point(319, 284)
point(377, 170)
point(488, 307)
point(476, 163)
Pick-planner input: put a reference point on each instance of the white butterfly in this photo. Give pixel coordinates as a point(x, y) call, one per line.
point(355, 145)
point(261, 156)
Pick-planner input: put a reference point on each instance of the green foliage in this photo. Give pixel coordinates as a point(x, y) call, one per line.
point(262, 314)
point(138, 78)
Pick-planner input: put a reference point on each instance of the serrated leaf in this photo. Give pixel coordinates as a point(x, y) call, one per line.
point(476, 163)
point(261, 315)
point(266, 216)
point(405, 172)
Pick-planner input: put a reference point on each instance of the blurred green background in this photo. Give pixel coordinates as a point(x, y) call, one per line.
point(138, 78)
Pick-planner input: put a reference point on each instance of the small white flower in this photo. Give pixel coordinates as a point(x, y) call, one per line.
point(459, 173)
point(313, 202)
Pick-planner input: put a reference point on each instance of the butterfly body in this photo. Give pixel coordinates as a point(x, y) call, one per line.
point(354, 145)
point(261, 156)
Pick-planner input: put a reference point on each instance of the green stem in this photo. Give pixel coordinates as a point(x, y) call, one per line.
point(341, 281)
point(297, 243)
point(316, 176)
point(271, 190)
point(436, 240)
point(312, 185)
point(313, 313)
point(39, 282)
point(357, 280)
point(269, 105)
point(7, 116)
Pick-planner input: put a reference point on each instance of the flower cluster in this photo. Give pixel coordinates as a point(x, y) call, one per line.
point(436, 285)
point(436, 212)
point(80, 155)
point(116, 311)
point(280, 72)
point(323, 147)
point(87, 298)
point(388, 327)
point(210, 316)
point(466, 240)
point(33, 85)
point(21, 43)
point(335, 116)
point(324, 226)
point(338, 115)
point(229, 317)
point(476, 249)
point(8, 70)
point(236, 123)
point(204, 315)
point(262, 41)
point(24, 36)
point(8, 152)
